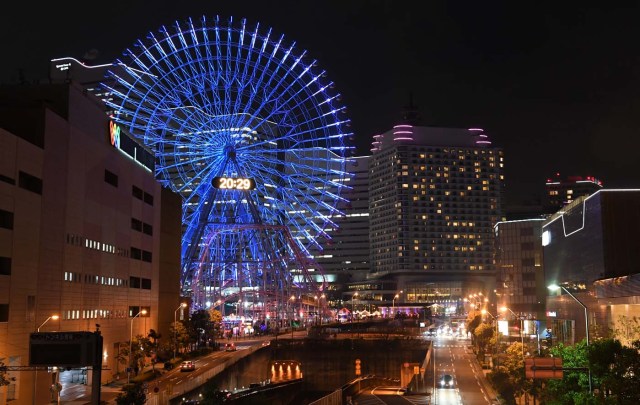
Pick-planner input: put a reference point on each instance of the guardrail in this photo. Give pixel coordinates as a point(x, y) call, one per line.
point(352, 388)
point(172, 392)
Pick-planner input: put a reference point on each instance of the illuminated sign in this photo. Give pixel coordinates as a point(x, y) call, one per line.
point(114, 134)
point(125, 143)
point(65, 349)
point(552, 314)
point(546, 238)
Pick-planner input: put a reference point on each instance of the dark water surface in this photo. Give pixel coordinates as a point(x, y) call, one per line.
point(326, 364)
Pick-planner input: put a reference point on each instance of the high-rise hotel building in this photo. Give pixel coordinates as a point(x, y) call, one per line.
point(88, 238)
point(435, 196)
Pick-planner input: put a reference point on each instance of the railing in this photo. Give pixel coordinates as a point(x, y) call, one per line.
point(163, 397)
point(352, 388)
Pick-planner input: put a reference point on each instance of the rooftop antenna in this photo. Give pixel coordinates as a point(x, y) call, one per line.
point(411, 115)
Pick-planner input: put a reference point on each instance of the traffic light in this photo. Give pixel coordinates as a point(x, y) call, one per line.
point(358, 371)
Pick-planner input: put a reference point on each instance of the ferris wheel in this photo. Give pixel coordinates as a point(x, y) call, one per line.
point(246, 128)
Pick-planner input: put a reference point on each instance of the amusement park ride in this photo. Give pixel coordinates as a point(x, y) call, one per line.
point(245, 129)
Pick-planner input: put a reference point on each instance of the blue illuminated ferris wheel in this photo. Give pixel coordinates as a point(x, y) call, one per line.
point(246, 128)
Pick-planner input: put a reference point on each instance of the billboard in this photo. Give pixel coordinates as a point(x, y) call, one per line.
point(65, 349)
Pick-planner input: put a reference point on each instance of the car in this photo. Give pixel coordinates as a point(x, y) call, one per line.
point(446, 381)
point(230, 347)
point(187, 366)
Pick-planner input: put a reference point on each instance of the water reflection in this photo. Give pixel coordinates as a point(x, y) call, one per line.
point(283, 370)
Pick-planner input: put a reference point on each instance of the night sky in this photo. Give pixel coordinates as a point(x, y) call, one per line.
point(556, 86)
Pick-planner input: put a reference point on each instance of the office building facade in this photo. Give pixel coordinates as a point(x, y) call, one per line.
point(86, 232)
point(520, 272)
point(345, 257)
point(591, 251)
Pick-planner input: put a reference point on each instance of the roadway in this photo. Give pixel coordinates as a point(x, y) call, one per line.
point(170, 382)
point(453, 356)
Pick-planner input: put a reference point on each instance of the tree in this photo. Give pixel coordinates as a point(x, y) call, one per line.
point(616, 369)
point(509, 378)
point(139, 346)
point(133, 394)
point(179, 335)
point(122, 355)
point(474, 318)
point(573, 388)
point(199, 325)
point(153, 350)
point(215, 317)
point(501, 382)
point(483, 333)
point(627, 329)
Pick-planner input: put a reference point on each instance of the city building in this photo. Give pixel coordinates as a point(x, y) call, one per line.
point(520, 274)
point(345, 257)
point(562, 191)
point(591, 254)
point(520, 286)
point(89, 240)
point(435, 195)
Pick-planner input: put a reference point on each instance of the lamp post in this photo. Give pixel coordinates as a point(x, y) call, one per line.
point(555, 287)
point(393, 305)
point(495, 321)
point(143, 312)
point(293, 312)
point(175, 331)
point(54, 317)
point(35, 378)
point(353, 306)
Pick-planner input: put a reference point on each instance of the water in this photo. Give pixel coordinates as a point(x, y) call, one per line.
point(326, 365)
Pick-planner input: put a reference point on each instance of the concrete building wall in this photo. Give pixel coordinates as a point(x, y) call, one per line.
point(75, 249)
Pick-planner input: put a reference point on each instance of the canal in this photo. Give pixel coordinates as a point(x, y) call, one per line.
point(325, 365)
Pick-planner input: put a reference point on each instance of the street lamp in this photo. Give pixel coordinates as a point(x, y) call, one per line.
point(393, 305)
point(175, 330)
point(293, 312)
point(143, 312)
point(35, 378)
point(495, 321)
point(555, 287)
point(54, 317)
point(353, 305)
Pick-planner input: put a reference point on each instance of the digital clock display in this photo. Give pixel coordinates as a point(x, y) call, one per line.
point(233, 183)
